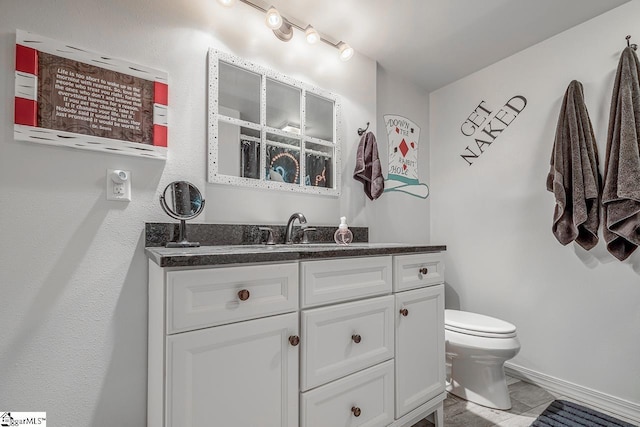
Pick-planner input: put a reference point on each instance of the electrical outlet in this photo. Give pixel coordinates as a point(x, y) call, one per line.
point(118, 185)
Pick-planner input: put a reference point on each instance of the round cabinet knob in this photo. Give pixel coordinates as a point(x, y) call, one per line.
point(424, 270)
point(294, 340)
point(404, 312)
point(356, 411)
point(356, 339)
point(243, 295)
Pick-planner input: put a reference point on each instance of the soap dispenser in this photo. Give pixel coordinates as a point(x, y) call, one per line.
point(343, 236)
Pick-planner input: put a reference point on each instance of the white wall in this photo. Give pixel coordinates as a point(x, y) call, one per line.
point(72, 266)
point(577, 312)
point(399, 217)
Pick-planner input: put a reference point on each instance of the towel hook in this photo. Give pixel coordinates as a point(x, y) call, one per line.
point(361, 131)
point(632, 46)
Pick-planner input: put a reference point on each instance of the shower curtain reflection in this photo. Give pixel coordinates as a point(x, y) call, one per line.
point(250, 159)
point(283, 165)
point(318, 171)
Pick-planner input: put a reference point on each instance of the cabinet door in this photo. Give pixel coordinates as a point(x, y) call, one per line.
point(420, 362)
point(243, 374)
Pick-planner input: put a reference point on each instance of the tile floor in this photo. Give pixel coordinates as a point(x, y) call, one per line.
point(527, 400)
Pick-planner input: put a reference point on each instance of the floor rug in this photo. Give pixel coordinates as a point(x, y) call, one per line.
point(568, 414)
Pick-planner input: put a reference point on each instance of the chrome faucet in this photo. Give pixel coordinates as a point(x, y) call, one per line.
point(289, 235)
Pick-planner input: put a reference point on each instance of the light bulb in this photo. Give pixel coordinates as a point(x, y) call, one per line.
point(227, 3)
point(273, 20)
point(346, 51)
point(311, 35)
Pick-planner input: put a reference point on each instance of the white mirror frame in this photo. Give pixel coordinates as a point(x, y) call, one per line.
point(213, 116)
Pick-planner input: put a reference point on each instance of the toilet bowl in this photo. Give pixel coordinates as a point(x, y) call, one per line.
point(477, 347)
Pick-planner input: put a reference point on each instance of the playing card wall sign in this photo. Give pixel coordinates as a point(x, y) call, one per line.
point(403, 136)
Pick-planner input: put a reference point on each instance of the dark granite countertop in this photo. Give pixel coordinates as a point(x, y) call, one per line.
point(237, 254)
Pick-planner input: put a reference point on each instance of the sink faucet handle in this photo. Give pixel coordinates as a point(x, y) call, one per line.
point(305, 236)
point(269, 240)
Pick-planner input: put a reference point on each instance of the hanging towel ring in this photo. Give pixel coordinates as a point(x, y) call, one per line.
point(361, 131)
point(632, 46)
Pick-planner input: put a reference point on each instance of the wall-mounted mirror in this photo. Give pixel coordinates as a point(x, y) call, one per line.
point(267, 130)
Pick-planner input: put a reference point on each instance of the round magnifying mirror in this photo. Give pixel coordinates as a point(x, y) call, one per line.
point(182, 200)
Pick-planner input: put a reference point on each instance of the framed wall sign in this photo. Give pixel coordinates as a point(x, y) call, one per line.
point(67, 96)
point(404, 137)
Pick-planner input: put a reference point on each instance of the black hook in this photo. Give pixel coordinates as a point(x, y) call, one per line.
point(632, 46)
point(361, 131)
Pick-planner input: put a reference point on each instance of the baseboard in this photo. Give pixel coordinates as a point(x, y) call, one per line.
point(604, 401)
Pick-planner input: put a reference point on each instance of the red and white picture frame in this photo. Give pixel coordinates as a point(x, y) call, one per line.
point(68, 96)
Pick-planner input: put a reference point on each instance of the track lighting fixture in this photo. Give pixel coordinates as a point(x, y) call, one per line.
point(283, 28)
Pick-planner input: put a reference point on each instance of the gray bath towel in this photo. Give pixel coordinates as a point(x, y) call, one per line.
point(368, 169)
point(621, 192)
point(574, 178)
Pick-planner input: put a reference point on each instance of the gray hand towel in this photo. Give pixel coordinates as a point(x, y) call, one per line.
point(574, 178)
point(621, 192)
point(368, 169)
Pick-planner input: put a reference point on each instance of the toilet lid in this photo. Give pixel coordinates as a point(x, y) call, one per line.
point(477, 324)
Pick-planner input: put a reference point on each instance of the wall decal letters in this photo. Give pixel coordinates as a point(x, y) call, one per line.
point(489, 126)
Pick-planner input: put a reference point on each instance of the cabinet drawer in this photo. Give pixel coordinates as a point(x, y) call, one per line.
point(214, 296)
point(368, 393)
point(335, 280)
point(417, 271)
point(344, 338)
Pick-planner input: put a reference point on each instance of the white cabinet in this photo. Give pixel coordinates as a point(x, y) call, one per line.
point(243, 374)
point(355, 341)
point(223, 346)
point(420, 363)
point(333, 366)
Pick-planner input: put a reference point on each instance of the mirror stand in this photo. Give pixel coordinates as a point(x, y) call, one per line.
point(182, 238)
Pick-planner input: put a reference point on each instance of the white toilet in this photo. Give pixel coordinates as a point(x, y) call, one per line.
point(477, 347)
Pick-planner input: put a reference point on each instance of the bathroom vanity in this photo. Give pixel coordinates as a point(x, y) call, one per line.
point(296, 335)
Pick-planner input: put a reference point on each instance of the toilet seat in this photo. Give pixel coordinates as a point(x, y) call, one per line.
point(477, 325)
